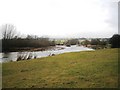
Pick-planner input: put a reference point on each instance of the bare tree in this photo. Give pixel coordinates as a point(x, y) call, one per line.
point(8, 31)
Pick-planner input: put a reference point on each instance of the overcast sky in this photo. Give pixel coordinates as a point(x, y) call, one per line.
point(61, 18)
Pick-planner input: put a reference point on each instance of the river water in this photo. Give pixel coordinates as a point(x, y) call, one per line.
point(12, 56)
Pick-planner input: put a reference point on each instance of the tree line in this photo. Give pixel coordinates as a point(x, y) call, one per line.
point(11, 40)
point(113, 42)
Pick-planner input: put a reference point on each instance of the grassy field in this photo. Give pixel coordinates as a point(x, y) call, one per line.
point(88, 69)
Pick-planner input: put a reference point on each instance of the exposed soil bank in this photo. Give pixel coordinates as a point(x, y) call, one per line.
point(30, 49)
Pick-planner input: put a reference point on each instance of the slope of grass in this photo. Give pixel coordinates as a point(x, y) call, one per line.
point(89, 69)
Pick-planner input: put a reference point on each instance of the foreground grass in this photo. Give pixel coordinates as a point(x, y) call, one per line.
point(96, 69)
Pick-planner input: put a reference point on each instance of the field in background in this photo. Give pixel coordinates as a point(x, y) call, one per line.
point(88, 69)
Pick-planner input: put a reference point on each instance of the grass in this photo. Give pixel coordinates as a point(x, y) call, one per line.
point(88, 69)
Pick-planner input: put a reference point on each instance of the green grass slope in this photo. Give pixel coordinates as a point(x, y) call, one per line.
point(89, 69)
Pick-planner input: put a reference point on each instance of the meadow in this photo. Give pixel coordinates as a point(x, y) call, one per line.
point(86, 69)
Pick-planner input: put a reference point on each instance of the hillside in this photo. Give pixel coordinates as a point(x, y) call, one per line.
point(87, 69)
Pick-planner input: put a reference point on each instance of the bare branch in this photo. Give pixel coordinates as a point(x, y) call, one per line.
point(8, 31)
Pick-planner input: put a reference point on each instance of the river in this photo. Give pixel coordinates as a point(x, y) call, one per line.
point(12, 56)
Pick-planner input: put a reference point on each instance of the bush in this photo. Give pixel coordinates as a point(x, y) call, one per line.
point(115, 41)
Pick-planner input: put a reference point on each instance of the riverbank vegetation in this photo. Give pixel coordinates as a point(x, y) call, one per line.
point(13, 41)
point(86, 69)
point(98, 43)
